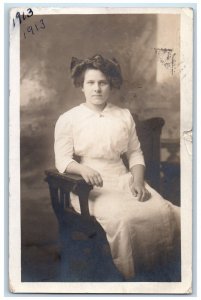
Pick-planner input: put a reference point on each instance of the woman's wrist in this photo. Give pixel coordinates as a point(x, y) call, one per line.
point(74, 167)
point(138, 181)
point(137, 172)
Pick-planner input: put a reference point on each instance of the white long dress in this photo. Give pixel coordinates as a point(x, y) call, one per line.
point(140, 234)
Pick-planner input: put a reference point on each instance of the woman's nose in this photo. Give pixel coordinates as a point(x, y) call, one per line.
point(97, 87)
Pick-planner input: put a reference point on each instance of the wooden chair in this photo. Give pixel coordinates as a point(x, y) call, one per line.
point(81, 231)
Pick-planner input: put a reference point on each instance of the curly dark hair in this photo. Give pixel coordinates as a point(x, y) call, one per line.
point(109, 67)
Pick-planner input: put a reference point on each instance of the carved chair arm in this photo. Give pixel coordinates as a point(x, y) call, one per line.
point(60, 186)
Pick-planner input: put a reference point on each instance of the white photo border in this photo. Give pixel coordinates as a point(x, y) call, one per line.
point(186, 164)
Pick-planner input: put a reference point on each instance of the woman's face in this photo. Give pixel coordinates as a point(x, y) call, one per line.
point(96, 88)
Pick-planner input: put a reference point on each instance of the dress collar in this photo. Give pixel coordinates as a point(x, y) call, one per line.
point(101, 113)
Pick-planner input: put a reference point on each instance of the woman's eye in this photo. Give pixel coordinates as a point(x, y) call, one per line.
point(102, 83)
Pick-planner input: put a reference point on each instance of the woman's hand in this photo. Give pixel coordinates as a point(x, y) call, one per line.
point(137, 183)
point(91, 176)
point(138, 190)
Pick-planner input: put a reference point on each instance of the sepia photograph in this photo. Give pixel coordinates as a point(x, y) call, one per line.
point(100, 150)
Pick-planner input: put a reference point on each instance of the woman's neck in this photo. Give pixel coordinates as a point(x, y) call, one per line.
point(97, 108)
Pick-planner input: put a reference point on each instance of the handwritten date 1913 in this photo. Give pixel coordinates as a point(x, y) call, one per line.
point(22, 17)
point(34, 28)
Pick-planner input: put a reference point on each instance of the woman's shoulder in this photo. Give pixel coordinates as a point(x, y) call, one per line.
point(120, 110)
point(69, 114)
point(124, 114)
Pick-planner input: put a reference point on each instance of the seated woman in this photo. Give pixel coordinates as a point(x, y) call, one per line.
point(142, 228)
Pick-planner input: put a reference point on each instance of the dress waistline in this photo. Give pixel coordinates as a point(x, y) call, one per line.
point(108, 167)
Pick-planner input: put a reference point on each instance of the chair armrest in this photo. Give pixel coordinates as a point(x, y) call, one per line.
point(64, 176)
point(67, 183)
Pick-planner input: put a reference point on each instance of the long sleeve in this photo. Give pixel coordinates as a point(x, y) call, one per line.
point(63, 143)
point(134, 152)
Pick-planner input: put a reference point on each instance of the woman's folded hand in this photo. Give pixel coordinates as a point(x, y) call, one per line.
point(91, 176)
point(138, 190)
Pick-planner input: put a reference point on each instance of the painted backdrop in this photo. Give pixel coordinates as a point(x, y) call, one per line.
point(147, 48)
